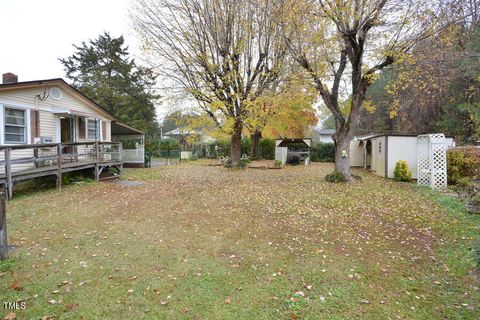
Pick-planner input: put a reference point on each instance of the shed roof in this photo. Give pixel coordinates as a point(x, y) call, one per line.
point(119, 128)
point(285, 141)
point(368, 136)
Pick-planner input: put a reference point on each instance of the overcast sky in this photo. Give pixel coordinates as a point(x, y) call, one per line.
point(35, 33)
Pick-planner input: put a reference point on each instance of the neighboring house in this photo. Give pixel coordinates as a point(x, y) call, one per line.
point(379, 153)
point(52, 111)
point(326, 135)
point(182, 136)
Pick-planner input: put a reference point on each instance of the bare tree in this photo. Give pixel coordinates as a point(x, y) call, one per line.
point(345, 44)
point(225, 53)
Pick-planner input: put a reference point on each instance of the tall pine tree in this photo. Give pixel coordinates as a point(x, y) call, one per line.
point(103, 71)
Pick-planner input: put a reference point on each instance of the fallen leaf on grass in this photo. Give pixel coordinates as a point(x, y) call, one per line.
point(10, 316)
point(71, 306)
point(228, 300)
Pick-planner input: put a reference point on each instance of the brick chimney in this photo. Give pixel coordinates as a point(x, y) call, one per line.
point(9, 78)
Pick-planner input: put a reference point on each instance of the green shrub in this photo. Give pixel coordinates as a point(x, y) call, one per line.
point(267, 149)
point(222, 150)
point(278, 163)
point(401, 172)
point(475, 199)
point(323, 152)
point(169, 144)
point(336, 177)
point(463, 162)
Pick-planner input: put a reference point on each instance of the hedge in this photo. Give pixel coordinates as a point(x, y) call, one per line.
point(463, 162)
point(323, 152)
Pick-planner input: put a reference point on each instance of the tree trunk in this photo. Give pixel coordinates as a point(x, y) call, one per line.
point(342, 152)
point(255, 151)
point(236, 143)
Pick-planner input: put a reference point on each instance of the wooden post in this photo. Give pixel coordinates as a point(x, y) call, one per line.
point(35, 157)
point(8, 172)
point(59, 170)
point(97, 159)
point(3, 228)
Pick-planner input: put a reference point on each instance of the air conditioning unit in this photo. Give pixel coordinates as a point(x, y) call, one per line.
point(43, 140)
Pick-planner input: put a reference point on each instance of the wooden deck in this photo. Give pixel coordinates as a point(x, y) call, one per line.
point(56, 159)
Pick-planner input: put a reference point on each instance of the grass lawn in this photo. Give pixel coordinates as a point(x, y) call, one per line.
point(199, 242)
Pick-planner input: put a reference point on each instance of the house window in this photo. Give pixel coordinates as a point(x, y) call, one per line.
point(15, 126)
point(93, 127)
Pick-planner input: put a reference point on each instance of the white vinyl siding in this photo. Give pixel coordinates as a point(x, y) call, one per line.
point(48, 125)
point(49, 121)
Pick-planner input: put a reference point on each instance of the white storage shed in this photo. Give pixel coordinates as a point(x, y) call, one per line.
point(379, 153)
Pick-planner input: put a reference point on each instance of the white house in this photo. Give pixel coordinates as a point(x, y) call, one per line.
point(379, 153)
point(326, 135)
point(52, 111)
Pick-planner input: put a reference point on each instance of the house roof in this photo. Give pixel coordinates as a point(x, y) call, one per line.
point(59, 82)
point(172, 132)
point(327, 131)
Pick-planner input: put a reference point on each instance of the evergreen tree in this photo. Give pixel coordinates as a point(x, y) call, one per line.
point(103, 71)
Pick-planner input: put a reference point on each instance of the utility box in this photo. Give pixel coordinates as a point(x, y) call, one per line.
point(43, 140)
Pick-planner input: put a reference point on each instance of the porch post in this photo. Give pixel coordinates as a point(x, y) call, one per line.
point(59, 170)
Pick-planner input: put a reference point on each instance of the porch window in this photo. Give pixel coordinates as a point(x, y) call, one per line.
point(15, 126)
point(93, 129)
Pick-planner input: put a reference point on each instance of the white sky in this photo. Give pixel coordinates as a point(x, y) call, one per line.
point(34, 34)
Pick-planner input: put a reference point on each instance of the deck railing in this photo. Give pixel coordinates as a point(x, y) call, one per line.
point(35, 159)
point(134, 155)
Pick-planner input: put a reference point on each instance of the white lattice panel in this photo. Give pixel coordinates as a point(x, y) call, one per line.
point(432, 161)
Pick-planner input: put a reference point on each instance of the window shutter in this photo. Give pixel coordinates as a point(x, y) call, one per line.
point(81, 128)
point(34, 125)
point(104, 131)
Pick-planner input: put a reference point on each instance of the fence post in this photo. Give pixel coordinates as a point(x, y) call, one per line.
point(3, 228)
point(8, 173)
point(59, 163)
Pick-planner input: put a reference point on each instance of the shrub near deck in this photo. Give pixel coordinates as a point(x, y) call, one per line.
point(199, 242)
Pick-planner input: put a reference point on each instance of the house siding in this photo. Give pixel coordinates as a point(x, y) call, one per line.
point(25, 98)
point(48, 120)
